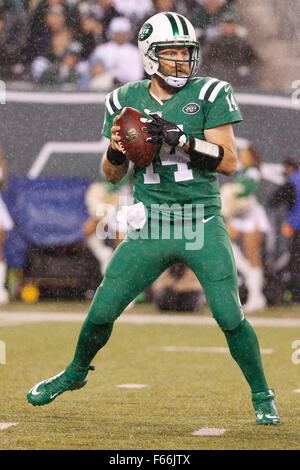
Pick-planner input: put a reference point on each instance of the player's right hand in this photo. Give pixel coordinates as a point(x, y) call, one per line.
point(115, 138)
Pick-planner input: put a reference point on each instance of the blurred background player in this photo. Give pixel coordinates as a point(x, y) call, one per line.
point(247, 222)
point(103, 232)
point(6, 224)
point(289, 195)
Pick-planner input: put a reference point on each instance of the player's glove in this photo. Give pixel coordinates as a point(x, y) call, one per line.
point(204, 155)
point(164, 131)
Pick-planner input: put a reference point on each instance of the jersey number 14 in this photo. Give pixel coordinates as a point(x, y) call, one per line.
point(231, 103)
point(183, 173)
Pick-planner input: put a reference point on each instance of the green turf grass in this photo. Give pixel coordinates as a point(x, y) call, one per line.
point(185, 391)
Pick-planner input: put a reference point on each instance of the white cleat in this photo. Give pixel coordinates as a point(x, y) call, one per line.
point(253, 305)
point(4, 297)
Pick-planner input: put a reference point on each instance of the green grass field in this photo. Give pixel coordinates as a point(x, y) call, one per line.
point(186, 389)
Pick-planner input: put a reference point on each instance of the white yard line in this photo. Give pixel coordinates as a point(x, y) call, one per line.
point(132, 385)
point(209, 432)
point(199, 349)
point(6, 425)
point(20, 318)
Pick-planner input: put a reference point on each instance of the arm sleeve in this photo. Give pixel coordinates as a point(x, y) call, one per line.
point(110, 112)
point(112, 109)
point(107, 125)
point(221, 107)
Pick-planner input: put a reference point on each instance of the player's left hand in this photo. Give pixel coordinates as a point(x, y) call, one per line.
point(164, 131)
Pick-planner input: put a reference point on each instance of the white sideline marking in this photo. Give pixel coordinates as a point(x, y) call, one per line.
point(209, 432)
point(50, 148)
point(132, 385)
point(203, 349)
point(253, 99)
point(19, 318)
point(6, 425)
point(297, 390)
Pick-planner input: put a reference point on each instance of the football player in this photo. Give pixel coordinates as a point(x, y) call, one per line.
point(6, 224)
point(247, 220)
point(191, 120)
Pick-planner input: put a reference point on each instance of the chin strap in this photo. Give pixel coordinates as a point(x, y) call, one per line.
point(175, 82)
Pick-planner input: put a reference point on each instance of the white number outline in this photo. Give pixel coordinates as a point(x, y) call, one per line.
point(183, 173)
point(231, 103)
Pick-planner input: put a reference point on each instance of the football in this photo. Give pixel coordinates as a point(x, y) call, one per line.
point(133, 139)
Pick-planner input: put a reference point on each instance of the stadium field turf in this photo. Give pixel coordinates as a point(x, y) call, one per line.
point(155, 383)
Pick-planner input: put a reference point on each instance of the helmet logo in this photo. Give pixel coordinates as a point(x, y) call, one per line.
point(191, 108)
point(145, 32)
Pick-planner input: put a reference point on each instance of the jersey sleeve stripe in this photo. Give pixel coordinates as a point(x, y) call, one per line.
point(210, 89)
point(216, 91)
point(108, 105)
point(206, 87)
point(112, 102)
point(116, 99)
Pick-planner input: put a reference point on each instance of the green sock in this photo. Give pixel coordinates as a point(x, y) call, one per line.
point(92, 337)
point(244, 348)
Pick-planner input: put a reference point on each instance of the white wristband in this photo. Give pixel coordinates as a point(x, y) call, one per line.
point(207, 148)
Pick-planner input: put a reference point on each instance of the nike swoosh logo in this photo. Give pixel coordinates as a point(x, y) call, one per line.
point(227, 88)
point(209, 218)
point(34, 390)
point(261, 415)
point(54, 395)
point(271, 416)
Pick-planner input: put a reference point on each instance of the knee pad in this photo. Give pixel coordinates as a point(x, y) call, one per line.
point(109, 302)
point(235, 329)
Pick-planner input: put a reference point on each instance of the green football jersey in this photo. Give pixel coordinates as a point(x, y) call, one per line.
point(203, 103)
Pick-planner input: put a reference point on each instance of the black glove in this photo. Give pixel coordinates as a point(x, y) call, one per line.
point(164, 131)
